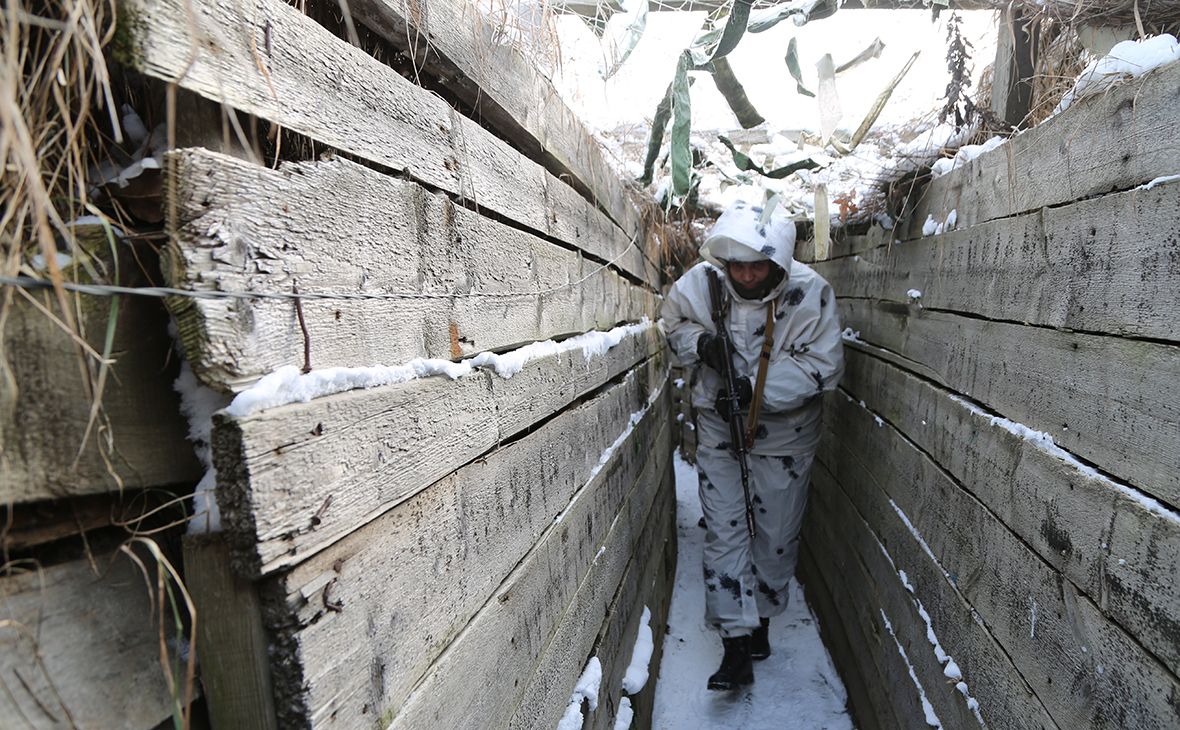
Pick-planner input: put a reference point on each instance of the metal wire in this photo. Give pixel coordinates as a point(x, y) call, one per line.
point(106, 290)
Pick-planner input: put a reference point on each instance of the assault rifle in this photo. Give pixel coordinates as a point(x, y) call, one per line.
point(737, 435)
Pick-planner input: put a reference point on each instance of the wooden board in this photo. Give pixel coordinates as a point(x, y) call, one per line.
point(1119, 553)
point(661, 576)
point(609, 594)
point(410, 581)
point(232, 643)
point(44, 408)
point(77, 648)
point(294, 479)
point(320, 86)
point(339, 228)
point(473, 58)
point(855, 610)
point(992, 679)
point(835, 636)
point(1115, 396)
point(1111, 141)
point(1084, 669)
point(528, 644)
point(1100, 265)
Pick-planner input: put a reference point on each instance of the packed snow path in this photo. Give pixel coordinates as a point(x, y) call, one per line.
point(797, 687)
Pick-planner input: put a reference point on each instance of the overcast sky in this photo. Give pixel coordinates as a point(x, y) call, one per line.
point(632, 95)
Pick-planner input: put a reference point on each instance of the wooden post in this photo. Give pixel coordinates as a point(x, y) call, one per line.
point(231, 641)
point(1016, 53)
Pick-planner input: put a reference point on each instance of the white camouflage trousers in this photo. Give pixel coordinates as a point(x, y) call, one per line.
point(744, 579)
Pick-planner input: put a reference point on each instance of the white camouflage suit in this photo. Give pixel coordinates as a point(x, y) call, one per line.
point(744, 579)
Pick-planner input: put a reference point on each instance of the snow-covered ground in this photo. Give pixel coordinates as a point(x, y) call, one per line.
point(796, 688)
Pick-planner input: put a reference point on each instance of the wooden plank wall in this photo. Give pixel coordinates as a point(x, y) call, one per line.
point(437, 553)
point(940, 524)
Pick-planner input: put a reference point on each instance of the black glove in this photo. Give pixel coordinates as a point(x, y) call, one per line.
point(745, 394)
point(711, 350)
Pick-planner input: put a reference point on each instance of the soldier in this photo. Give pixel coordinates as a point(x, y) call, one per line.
point(746, 577)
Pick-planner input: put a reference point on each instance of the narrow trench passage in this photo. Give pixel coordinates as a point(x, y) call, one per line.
point(797, 687)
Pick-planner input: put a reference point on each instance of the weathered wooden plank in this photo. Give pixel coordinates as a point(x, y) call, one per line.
point(44, 407)
point(1005, 698)
point(1111, 141)
point(473, 58)
point(865, 592)
point(620, 623)
point(524, 644)
point(428, 565)
point(1121, 554)
point(835, 636)
point(849, 613)
point(79, 650)
point(232, 643)
point(662, 577)
point(1115, 396)
point(294, 479)
point(1099, 265)
point(1084, 669)
point(339, 228)
point(322, 87)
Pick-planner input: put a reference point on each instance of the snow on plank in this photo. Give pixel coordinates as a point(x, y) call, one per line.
point(339, 228)
point(527, 645)
point(1118, 551)
point(476, 61)
point(400, 566)
point(320, 86)
point(612, 584)
point(1116, 140)
point(840, 629)
point(860, 592)
point(1109, 400)
point(294, 479)
point(1084, 668)
point(1098, 265)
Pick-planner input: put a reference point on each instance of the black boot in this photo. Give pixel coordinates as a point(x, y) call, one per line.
point(736, 668)
point(760, 641)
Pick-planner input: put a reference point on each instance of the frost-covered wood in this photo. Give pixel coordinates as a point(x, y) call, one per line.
point(478, 61)
point(1101, 265)
point(339, 228)
point(1100, 536)
point(647, 584)
point(1112, 141)
point(433, 561)
point(82, 650)
point(526, 647)
point(634, 539)
point(1111, 401)
point(1084, 668)
point(893, 701)
point(45, 408)
point(857, 671)
point(294, 479)
point(872, 584)
point(322, 87)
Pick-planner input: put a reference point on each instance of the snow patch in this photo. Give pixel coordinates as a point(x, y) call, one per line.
point(586, 689)
point(637, 670)
point(288, 385)
point(1127, 60)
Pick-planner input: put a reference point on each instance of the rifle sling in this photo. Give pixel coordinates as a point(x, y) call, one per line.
point(760, 381)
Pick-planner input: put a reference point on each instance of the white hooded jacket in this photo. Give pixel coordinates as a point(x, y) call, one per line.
point(807, 359)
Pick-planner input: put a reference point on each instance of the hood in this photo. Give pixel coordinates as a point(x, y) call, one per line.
point(738, 236)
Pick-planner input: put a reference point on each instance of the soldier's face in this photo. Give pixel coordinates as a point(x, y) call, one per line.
point(749, 274)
